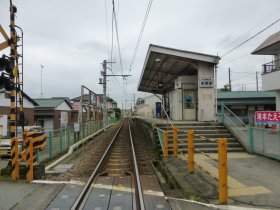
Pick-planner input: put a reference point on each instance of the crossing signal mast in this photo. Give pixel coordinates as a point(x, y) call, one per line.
point(11, 76)
point(11, 79)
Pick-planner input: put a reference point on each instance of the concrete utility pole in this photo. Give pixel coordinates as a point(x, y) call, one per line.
point(229, 80)
point(42, 80)
point(104, 83)
point(104, 64)
point(257, 81)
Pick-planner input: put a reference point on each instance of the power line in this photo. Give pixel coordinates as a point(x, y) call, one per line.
point(107, 33)
point(250, 38)
point(117, 33)
point(277, 11)
point(141, 32)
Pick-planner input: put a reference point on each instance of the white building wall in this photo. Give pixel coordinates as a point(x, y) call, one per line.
point(176, 104)
point(5, 102)
point(270, 81)
point(63, 107)
point(148, 109)
point(206, 96)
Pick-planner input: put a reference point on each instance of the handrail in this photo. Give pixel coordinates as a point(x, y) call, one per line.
point(167, 115)
point(233, 114)
point(159, 136)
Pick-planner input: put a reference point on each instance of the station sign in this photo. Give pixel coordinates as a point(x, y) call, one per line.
point(206, 82)
point(271, 117)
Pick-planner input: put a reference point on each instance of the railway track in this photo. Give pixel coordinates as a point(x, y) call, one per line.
point(116, 182)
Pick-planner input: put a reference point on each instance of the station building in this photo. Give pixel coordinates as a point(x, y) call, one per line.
point(186, 80)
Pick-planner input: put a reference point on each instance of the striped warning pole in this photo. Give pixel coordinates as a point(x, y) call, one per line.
point(15, 159)
point(29, 159)
point(14, 56)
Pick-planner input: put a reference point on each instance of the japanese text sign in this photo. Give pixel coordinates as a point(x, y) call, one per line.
point(267, 117)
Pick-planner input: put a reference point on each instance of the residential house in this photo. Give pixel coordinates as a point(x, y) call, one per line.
point(271, 70)
point(53, 113)
point(28, 109)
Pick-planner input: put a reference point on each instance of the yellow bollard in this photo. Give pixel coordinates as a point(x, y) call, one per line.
point(223, 171)
point(165, 144)
point(15, 159)
point(175, 141)
point(190, 152)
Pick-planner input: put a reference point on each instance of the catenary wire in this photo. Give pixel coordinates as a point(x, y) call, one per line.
point(252, 37)
point(141, 33)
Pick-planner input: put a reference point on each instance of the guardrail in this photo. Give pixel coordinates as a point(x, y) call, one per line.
point(59, 141)
point(257, 140)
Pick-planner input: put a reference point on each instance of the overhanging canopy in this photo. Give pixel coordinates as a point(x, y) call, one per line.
point(163, 65)
point(270, 46)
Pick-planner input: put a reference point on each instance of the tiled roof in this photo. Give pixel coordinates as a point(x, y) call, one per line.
point(50, 102)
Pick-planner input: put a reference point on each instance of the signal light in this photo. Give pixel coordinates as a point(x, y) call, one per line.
point(5, 83)
point(6, 64)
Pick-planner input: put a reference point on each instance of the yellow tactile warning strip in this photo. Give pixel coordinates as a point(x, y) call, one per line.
point(236, 188)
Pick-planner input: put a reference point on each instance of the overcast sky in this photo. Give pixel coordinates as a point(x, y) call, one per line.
point(70, 39)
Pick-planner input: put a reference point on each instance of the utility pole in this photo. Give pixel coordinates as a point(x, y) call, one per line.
point(104, 83)
point(42, 80)
point(104, 64)
point(257, 81)
point(229, 80)
point(134, 102)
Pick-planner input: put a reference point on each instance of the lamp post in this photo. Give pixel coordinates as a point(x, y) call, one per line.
point(42, 80)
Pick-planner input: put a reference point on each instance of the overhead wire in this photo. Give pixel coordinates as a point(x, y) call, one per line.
point(252, 37)
point(117, 34)
point(107, 31)
point(141, 33)
point(273, 13)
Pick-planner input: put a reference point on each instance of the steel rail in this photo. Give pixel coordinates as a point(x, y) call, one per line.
point(138, 181)
point(85, 189)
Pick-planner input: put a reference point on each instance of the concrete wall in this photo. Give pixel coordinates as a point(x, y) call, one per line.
point(270, 81)
point(28, 113)
point(206, 96)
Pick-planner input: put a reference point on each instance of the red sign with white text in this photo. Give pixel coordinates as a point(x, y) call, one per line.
point(267, 117)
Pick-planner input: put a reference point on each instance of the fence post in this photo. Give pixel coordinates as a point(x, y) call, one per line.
point(251, 139)
point(68, 136)
point(175, 141)
point(165, 144)
point(223, 171)
point(190, 152)
point(50, 144)
point(60, 140)
point(223, 111)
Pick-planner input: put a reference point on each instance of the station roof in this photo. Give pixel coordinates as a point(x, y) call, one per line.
point(164, 65)
point(246, 97)
point(270, 46)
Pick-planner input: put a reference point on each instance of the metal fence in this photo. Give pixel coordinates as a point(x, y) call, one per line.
point(256, 140)
point(59, 141)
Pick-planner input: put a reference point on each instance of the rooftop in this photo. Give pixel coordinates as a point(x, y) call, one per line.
point(270, 46)
point(51, 102)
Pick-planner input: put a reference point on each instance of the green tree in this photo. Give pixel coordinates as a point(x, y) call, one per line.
point(226, 88)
